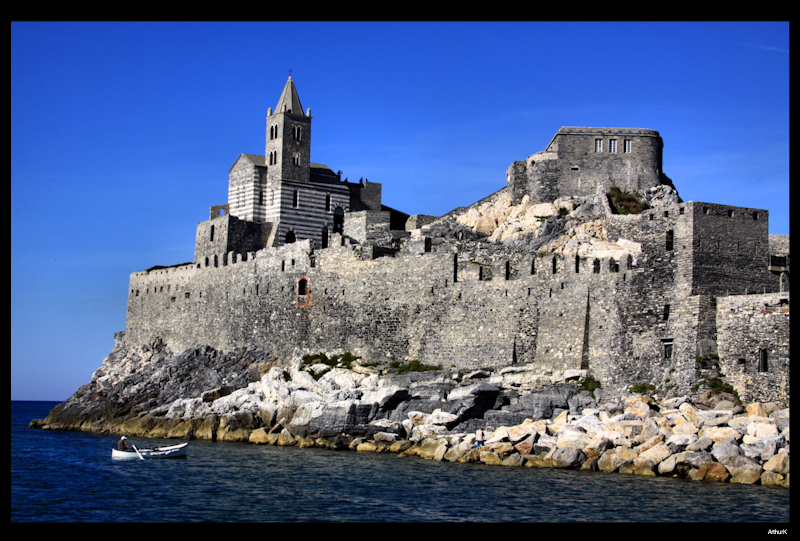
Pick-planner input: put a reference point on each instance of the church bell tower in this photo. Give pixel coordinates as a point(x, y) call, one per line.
point(288, 151)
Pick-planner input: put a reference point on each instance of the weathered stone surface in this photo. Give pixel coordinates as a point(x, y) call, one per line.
point(572, 438)
point(720, 433)
point(490, 457)
point(680, 442)
point(726, 452)
point(568, 457)
point(773, 478)
point(747, 474)
point(612, 459)
point(639, 466)
point(540, 404)
point(657, 453)
point(779, 463)
point(710, 471)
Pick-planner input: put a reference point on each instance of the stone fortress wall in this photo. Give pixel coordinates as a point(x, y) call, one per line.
point(698, 293)
point(461, 307)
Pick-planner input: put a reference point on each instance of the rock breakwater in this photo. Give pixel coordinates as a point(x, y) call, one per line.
point(530, 419)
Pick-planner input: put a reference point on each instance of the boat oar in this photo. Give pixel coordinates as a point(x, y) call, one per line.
point(137, 452)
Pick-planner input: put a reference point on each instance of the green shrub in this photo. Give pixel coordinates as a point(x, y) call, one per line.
point(590, 384)
point(399, 367)
point(643, 388)
point(342, 360)
point(625, 202)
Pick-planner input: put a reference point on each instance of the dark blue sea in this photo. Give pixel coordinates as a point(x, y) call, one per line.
point(69, 477)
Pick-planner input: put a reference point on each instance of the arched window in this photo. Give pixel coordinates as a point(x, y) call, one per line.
point(303, 292)
point(290, 237)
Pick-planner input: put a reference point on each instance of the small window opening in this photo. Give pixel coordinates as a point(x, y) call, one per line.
point(666, 349)
point(763, 360)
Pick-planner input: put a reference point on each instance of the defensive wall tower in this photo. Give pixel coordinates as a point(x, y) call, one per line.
point(578, 160)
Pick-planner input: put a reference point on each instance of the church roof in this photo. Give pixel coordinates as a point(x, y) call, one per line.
point(289, 101)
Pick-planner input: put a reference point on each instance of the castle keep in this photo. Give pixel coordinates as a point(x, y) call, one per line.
point(547, 274)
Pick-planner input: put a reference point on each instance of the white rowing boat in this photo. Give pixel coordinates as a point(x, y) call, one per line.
point(167, 451)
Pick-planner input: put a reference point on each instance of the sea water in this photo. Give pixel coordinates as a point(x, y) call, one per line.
point(59, 476)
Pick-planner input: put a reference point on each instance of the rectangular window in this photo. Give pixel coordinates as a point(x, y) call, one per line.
point(763, 360)
point(598, 145)
point(612, 146)
point(666, 349)
point(666, 312)
point(627, 146)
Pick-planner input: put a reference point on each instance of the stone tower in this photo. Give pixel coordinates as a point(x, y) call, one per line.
point(579, 160)
point(288, 152)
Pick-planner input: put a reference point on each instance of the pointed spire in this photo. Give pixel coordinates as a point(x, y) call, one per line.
point(289, 101)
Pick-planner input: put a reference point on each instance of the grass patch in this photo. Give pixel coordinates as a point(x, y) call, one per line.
point(400, 367)
point(643, 388)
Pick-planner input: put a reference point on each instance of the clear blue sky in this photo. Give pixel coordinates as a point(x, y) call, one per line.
point(122, 135)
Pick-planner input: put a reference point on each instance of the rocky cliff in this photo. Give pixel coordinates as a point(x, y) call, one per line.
point(342, 402)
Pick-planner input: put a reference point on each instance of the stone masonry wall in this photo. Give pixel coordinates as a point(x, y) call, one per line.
point(753, 345)
point(516, 308)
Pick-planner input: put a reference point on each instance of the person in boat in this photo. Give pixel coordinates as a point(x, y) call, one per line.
point(123, 444)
